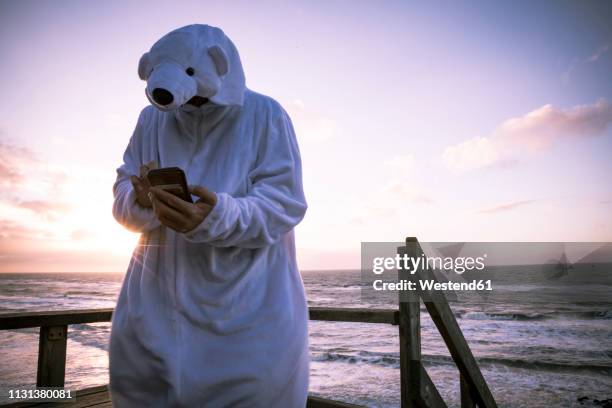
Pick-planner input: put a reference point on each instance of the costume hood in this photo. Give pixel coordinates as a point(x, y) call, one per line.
point(195, 60)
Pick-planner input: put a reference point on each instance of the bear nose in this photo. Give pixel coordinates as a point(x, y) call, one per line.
point(162, 96)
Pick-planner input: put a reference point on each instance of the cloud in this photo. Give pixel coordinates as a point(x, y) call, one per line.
point(82, 233)
point(404, 164)
point(26, 181)
point(311, 126)
point(403, 186)
point(505, 207)
point(539, 128)
point(404, 189)
point(12, 160)
point(21, 169)
point(27, 188)
point(48, 209)
point(398, 190)
point(579, 62)
point(471, 154)
point(11, 230)
point(599, 53)
point(527, 134)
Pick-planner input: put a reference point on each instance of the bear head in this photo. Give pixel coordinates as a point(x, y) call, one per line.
point(191, 66)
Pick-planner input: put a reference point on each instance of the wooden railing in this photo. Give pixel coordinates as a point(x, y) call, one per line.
point(417, 388)
point(414, 380)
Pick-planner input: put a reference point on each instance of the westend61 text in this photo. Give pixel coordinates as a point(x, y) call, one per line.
point(432, 285)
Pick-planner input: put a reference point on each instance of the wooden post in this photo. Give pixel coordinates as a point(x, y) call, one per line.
point(52, 356)
point(466, 394)
point(437, 305)
point(409, 335)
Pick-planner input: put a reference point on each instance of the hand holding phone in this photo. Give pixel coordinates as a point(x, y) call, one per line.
point(178, 214)
point(172, 180)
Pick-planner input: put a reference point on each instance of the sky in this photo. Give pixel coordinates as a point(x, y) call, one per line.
point(448, 121)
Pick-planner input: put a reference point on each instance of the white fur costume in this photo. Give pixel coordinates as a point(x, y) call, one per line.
point(215, 317)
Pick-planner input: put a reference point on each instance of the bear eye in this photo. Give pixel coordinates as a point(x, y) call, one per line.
point(190, 71)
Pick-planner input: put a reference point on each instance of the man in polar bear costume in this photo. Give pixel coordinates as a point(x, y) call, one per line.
point(212, 311)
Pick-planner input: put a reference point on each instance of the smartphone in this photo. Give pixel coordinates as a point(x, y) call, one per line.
point(172, 180)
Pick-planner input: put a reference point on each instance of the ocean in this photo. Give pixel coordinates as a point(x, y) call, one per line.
point(536, 345)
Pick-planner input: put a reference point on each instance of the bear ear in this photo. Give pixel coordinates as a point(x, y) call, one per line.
point(143, 66)
point(219, 58)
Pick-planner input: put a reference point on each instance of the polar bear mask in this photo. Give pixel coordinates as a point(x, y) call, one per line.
point(196, 63)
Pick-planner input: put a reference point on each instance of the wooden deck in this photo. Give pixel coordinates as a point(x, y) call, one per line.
point(98, 397)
